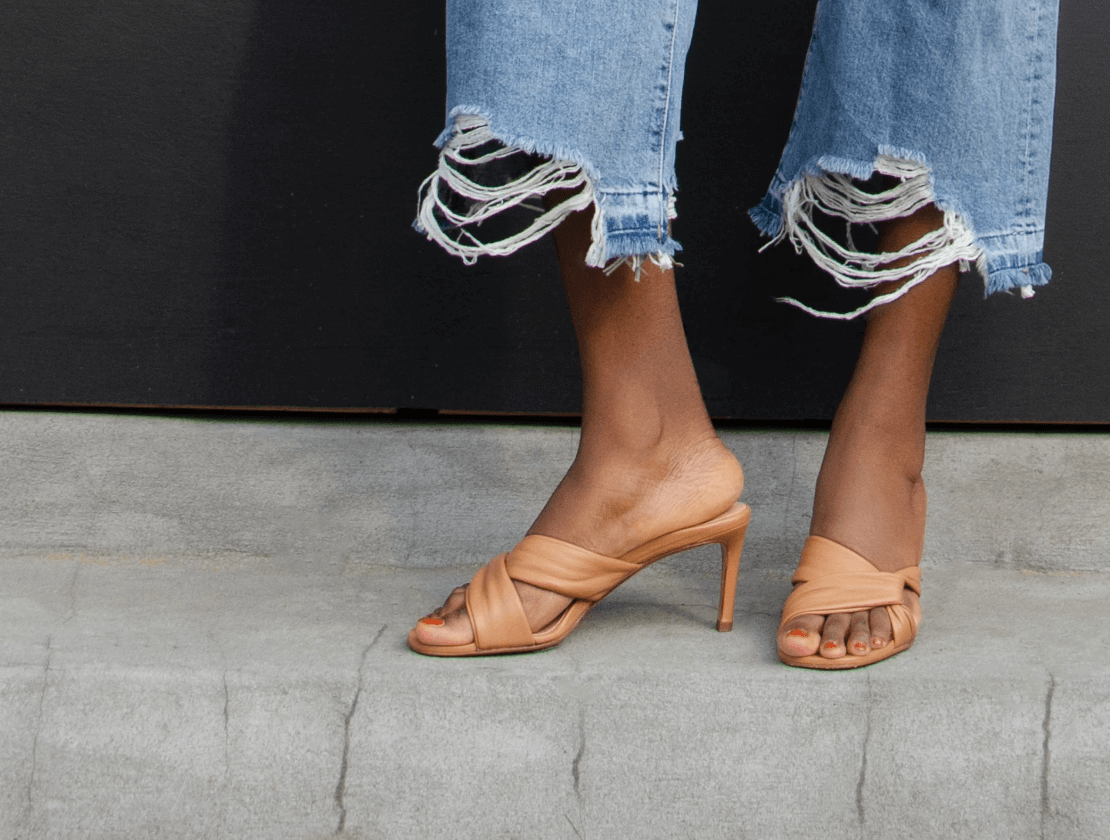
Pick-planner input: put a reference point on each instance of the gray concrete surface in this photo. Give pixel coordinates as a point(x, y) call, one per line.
point(202, 635)
point(352, 493)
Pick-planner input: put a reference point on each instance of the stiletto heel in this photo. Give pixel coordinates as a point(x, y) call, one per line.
point(497, 616)
point(730, 573)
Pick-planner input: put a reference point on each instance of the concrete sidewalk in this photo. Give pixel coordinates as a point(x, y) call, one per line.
point(202, 632)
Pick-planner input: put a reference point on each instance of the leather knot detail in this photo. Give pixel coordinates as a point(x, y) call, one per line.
point(834, 579)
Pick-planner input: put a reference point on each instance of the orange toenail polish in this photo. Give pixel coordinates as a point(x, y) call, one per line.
point(800, 634)
point(435, 622)
point(860, 646)
point(831, 645)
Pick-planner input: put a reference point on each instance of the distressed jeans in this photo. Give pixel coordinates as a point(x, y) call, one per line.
point(951, 101)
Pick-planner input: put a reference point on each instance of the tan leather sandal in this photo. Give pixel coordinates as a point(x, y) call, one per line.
point(495, 611)
point(834, 579)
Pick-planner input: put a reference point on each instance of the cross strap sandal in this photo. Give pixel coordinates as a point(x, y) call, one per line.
point(834, 579)
point(498, 619)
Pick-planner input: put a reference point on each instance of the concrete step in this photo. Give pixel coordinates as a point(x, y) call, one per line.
point(210, 491)
point(202, 629)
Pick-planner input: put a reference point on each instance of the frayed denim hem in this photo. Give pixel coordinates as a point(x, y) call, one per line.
point(830, 186)
point(627, 227)
point(1021, 279)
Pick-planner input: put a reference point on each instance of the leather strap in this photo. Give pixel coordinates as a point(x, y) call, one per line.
point(495, 610)
point(832, 578)
point(493, 604)
point(567, 569)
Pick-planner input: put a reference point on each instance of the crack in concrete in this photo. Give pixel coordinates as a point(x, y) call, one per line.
point(227, 721)
point(341, 785)
point(1046, 753)
point(572, 827)
point(71, 591)
point(38, 729)
point(574, 766)
point(861, 814)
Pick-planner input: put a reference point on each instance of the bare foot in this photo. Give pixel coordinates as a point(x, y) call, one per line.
point(611, 503)
point(873, 504)
point(869, 496)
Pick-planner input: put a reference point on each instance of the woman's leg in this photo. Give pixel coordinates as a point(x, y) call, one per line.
point(869, 494)
point(649, 460)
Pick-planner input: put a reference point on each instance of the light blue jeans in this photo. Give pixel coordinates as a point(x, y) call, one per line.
point(951, 100)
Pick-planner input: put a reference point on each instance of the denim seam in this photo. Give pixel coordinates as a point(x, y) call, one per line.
point(667, 102)
point(1027, 117)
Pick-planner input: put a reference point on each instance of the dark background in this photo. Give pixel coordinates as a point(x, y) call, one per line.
point(208, 204)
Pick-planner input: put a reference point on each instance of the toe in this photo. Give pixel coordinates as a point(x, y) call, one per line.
point(859, 634)
point(450, 629)
point(455, 601)
point(834, 636)
point(881, 632)
point(801, 636)
point(448, 625)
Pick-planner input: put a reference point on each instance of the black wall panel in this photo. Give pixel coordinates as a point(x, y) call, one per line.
point(208, 204)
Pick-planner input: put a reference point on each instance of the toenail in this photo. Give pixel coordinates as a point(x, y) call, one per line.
point(860, 646)
point(876, 642)
point(800, 634)
point(435, 622)
point(831, 645)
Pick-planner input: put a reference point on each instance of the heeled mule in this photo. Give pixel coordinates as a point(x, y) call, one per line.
point(498, 619)
point(834, 579)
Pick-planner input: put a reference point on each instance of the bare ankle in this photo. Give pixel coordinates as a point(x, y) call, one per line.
point(613, 500)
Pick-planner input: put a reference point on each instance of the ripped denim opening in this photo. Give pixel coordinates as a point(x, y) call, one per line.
point(844, 197)
point(486, 197)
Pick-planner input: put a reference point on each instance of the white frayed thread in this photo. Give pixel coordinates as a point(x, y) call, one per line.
point(838, 195)
point(662, 259)
point(453, 231)
point(665, 262)
point(437, 219)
